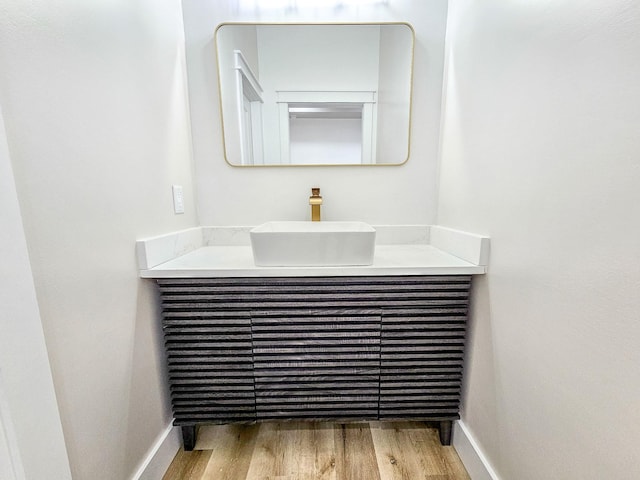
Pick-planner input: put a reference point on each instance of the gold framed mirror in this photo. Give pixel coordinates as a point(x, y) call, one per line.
point(315, 94)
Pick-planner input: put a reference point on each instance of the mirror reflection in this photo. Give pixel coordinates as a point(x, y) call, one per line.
point(315, 94)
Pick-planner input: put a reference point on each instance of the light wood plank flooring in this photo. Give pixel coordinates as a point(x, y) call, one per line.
point(318, 451)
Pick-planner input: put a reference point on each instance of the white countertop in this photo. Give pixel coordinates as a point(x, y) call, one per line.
point(237, 261)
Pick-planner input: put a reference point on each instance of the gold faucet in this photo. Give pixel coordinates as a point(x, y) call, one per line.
point(315, 200)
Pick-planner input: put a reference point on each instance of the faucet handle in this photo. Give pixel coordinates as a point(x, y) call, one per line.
point(315, 198)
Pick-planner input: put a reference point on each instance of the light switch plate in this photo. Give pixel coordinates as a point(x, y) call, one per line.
point(178, 199)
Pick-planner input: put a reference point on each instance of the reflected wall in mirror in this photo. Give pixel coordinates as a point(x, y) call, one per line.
point(315, 94)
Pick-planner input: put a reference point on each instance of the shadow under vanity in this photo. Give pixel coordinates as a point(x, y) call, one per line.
point(252, 344)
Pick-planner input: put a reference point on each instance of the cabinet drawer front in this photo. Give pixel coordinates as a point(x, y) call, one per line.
point(316, 364)
point(210, 365)
point(421, 360)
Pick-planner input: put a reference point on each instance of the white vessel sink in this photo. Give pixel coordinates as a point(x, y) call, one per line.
point(317, 244)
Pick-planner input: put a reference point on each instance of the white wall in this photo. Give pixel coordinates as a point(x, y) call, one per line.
point(228, 40)
point(379, 195)
point(308, 58)
point(393, 91)
point(322, 140)
point(94, 102)
point(541, 152)
point(31, 444)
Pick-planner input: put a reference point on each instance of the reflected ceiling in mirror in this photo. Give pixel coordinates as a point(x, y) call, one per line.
point(315, 94)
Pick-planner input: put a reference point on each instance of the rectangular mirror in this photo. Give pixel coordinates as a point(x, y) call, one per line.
point(315, 94)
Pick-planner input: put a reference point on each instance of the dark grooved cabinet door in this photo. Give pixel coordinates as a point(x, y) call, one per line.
point(421, 355)
point(317, 364)
point(209, 357)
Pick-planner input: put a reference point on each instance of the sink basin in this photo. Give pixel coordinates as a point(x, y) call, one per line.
point(312, 244)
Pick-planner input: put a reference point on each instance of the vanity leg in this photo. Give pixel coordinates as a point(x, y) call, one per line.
point(445, 432)
point(188, 437)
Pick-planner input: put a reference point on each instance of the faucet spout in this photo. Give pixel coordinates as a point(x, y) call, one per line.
point(315, 200)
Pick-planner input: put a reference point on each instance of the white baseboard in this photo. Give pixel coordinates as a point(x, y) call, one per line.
point(160, 455)
point(477, 465)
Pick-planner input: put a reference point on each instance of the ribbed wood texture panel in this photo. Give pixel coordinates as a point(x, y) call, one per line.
point(346, 348)
point(317, 364)
point(421, 361)
point(210, 363)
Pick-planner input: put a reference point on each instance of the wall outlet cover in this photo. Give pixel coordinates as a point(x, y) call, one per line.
point(178, 199)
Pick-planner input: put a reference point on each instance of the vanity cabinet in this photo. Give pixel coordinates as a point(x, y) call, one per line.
point(315, 348)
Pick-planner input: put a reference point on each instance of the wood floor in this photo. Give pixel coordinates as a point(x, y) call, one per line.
point(318, 451)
